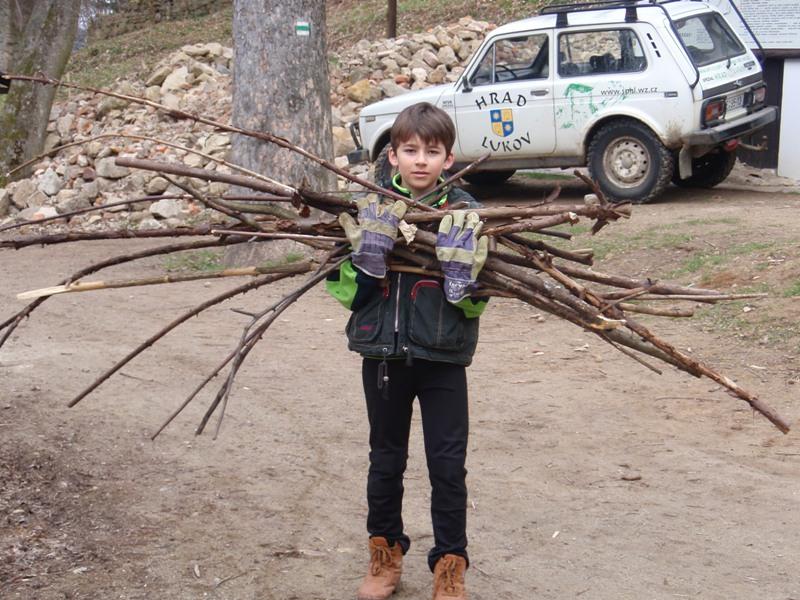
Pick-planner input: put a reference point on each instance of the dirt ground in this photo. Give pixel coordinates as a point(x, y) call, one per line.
point(589, 476)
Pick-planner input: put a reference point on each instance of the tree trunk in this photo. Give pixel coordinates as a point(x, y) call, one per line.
point(391, 19)
point(40, 38)
point(281, 85)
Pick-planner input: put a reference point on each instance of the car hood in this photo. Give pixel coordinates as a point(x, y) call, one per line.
point(392, 106)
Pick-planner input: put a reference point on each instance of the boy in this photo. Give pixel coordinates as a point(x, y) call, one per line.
point(417, 334)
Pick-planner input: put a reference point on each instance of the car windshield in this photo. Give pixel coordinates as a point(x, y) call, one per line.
point(708, 38)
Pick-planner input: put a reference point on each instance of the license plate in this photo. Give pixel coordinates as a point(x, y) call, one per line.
point(734, 102)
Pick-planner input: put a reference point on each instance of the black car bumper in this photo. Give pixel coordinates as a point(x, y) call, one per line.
point(727, 131)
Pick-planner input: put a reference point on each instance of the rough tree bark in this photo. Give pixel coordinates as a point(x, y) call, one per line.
point(38, 35)
point(281, 85)
point(391, 19)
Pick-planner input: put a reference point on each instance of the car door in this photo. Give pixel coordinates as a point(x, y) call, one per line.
point(602, 72)
point(505, 104)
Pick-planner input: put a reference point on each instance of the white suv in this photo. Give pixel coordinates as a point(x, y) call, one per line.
point(640, 92)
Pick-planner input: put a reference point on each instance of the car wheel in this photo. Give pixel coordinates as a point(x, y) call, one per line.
point(383, 170)
point(629, 162)
point(483, 178)
point(708, 170)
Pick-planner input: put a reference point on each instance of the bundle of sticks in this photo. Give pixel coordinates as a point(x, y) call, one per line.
point(521, 263)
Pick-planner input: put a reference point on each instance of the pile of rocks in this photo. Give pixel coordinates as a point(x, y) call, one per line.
point(371, 71)
point(197, 78)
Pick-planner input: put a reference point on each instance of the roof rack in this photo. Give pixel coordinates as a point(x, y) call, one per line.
point(561, 10)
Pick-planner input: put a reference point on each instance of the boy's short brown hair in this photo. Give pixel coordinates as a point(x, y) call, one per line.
point(430, 123)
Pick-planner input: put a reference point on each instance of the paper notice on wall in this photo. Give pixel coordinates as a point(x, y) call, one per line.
point(776, 23)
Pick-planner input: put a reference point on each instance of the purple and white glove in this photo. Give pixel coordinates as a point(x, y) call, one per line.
point(372, 237)
point(460, 252)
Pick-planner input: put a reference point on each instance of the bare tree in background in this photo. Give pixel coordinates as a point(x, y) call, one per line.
point(37, 37)
point(391, 19)
point(281, 85)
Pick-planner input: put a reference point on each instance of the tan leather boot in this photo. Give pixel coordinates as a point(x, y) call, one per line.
point(385, 567)
point(448, 578)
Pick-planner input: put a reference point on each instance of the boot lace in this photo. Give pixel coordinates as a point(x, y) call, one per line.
point(381, 557)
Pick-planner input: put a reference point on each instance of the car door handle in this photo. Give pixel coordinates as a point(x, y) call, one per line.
point(539, 92)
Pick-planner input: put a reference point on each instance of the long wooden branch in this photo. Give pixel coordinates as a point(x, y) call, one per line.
point(255, 331)
point(182, 319)
point(90, 286)
point(12, 322)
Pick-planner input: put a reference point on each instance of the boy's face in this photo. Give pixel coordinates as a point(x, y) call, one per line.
point(420, 164)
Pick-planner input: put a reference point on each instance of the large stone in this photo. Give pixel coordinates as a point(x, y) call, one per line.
point(443, 38)
point(89, 191)
point(363, 92)
point(166, 209)
point(50, 183)
point(419, 74)
point(217, 189)
point(94, 148)
point(447, 56)
point(195, 50)
point(428, 57)
point(158, 76)
point(36, 213)
point(149, 223)
point(197, 69)
point(437, 75)
point(51, 141)
point(111, 104)
point(216, 143)
point(215, 49)
point(71, 200)
point(390, 65)
point(430, 38)
point(106, 167)
point(171, 101)
point(195, 160)
point(64, 124)
point(21, 192)
point(157, 185)
point(391, 89)
point(342, 141)
point(153, 93)
point(179, 79)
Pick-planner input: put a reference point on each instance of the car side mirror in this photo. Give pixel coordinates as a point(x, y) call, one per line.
point(467, 87)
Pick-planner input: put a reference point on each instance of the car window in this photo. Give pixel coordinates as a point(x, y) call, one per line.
point(514, 59)
point(600, 53)
point(708, 39)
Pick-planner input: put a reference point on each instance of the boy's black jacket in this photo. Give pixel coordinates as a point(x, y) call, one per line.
point(406, 315)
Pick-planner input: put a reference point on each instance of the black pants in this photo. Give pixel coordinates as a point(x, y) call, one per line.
point(442, 392)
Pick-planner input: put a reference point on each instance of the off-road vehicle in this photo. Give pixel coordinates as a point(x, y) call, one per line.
point(641, 92)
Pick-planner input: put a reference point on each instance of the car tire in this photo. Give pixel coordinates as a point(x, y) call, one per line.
point(629, 162)
point(485, 178)
point(708, 170)
point(383, 170)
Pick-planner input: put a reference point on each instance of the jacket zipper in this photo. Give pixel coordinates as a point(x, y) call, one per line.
point(397, 305)
point(397, 321)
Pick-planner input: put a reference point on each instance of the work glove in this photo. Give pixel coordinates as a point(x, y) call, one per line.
point(372, 237)
point(460, 253)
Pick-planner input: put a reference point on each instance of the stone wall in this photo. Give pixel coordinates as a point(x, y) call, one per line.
point(197, 79)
